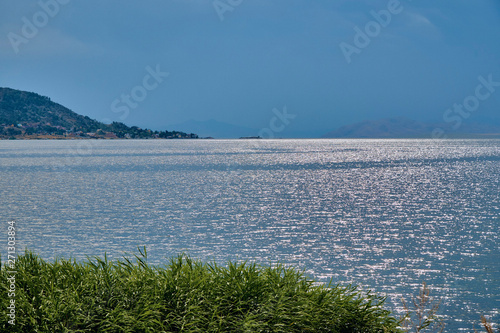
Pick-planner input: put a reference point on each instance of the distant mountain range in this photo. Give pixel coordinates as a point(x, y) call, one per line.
point(215, 129)
point(407, 128)
point(222, 130)
point(27, 115)
point(381, 128)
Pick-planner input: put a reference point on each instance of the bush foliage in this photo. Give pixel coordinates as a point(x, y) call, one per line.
point(129, 295)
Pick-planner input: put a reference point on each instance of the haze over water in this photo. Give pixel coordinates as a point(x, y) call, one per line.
point(383, 214)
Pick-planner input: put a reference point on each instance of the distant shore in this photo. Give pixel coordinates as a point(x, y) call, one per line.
point(65, 137)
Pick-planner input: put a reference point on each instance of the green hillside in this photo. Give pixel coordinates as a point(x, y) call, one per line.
point(27, 115)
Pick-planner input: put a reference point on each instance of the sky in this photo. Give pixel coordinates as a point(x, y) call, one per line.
point(288, 66)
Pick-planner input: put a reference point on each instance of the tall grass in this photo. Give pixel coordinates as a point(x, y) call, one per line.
point(185, 295)
point(424, 316)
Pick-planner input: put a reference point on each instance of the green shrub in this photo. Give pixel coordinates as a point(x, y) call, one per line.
point(185, 295)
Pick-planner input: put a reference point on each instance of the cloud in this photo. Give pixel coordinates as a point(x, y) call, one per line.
point(419, 21)
point(48, 42)
point(419, 24)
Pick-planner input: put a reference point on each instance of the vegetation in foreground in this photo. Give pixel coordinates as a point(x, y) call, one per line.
point(99, 295)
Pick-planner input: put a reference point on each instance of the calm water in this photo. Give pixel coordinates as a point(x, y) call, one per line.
point(383, 214)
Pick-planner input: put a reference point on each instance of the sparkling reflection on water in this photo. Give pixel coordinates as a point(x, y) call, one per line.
point(383, 214)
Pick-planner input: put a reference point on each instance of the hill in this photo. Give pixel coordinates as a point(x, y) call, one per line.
point(407, 128)
point(27, 115)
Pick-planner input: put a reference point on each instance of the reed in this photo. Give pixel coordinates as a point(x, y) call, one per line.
point(487, 326)
point(185, 295)
point(423, 315)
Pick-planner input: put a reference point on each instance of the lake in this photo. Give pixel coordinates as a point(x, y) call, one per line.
point(382, 214)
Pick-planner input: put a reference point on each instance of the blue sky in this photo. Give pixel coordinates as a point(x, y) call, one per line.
point(236, 60)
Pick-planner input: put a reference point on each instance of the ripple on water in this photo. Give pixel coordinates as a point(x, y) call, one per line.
point(383, 214)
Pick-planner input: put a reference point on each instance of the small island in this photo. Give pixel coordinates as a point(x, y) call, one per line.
point(250, 137)
point(27, 116)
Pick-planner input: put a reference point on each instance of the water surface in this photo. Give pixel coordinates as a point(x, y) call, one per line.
point(383, 214)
